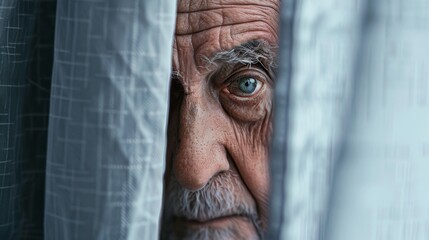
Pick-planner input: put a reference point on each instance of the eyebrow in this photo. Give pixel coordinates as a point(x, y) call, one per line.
point(249, 53)
point(254, 52)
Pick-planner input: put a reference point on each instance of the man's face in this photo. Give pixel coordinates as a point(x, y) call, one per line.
point(220, 119)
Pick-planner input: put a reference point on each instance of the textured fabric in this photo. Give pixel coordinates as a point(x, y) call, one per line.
point(107, 120)
point(350, 151)
point(279, 150)
point(324, 38)
point(26, 43)
point(380, 189)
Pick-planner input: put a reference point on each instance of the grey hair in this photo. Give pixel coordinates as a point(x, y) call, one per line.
point(253, 52)
point(216, 199)
point(209, 234)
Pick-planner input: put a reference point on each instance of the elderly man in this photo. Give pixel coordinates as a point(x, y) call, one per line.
point(224, 59)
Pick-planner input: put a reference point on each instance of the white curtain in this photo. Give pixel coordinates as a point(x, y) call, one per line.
point(108, 114)
point(355, 141)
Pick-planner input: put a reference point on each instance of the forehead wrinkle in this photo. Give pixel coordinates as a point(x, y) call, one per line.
point(204, 20)
point(194, 6)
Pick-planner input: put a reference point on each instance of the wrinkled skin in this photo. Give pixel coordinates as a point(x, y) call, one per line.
point(213, 127)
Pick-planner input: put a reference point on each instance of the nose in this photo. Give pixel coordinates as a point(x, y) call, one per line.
point(200, 154)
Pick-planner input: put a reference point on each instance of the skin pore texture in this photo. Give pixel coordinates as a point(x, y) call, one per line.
point(217, 176)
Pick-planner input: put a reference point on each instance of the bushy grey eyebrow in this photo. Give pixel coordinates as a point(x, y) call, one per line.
point(249, 53)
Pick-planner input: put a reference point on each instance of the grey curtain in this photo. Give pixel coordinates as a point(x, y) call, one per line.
point(107, 119)
point(350, 153)
point(103, 153)
point(26, 53)
point(83, 110)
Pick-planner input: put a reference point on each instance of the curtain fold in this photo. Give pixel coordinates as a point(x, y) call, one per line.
point(350, 147)
point(26, 50)
point(107, 119)
point(324, 36)
point(380, 186)
point(279, 148)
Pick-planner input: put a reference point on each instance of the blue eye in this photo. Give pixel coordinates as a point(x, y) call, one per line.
point(247, 85)
point(244, 86)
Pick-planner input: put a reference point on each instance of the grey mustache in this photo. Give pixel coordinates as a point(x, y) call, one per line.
point(218, 198)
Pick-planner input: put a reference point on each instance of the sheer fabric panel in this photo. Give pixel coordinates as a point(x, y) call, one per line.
point(323, 37)
point(380, 189)
point(108, 116)
point(350, 136)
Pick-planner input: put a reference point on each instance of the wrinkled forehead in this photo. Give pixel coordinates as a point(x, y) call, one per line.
point(206, 27)
point(198, 5)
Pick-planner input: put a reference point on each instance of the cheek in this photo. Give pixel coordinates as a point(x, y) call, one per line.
point(251, 110)
point(250, 154)
point(252, 139)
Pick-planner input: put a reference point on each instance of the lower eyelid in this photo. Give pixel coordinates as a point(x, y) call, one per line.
point(244, 109)
point(257, 91)
point(245, 100)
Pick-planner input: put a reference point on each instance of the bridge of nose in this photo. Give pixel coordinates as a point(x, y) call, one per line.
point(200, 153)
